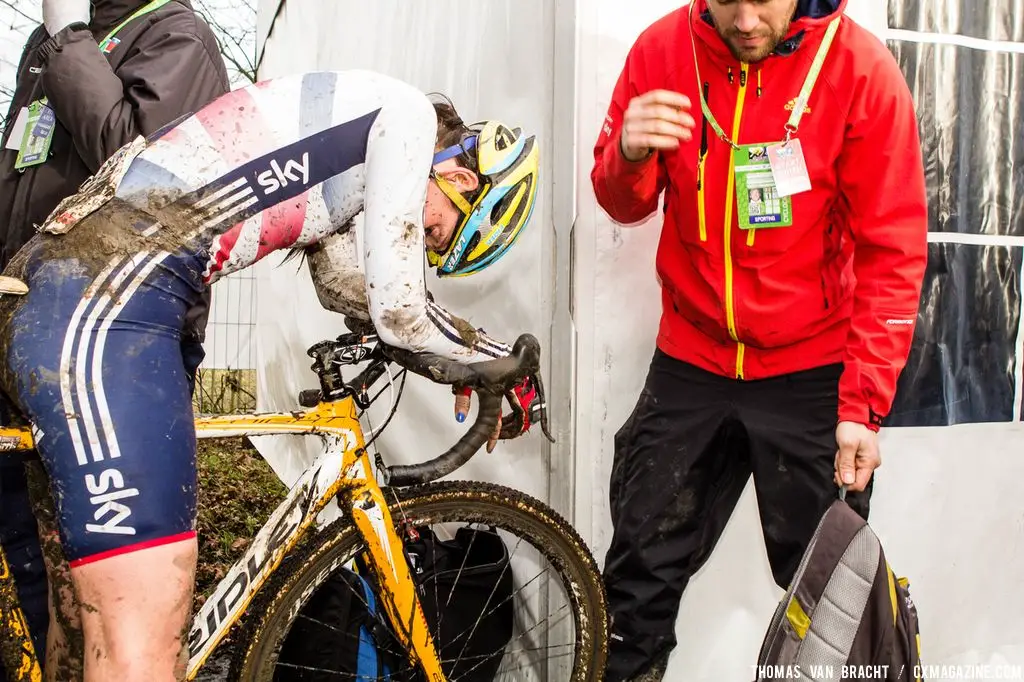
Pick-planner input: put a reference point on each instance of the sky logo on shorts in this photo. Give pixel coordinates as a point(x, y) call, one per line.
point(107, 491)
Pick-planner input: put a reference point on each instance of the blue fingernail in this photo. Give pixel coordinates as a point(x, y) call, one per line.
point(460, 417)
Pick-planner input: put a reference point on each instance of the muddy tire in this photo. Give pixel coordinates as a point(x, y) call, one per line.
point(269, 618)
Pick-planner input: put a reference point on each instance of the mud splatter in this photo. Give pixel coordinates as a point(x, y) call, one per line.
point(410, 232)
point(65, 659)
point(467, 332)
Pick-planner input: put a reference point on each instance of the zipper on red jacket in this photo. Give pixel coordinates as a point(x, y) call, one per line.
point(730, 308)
point(752, 233)
point(700, 169)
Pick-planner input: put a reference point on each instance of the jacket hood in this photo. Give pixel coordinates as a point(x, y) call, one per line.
point(810, 16)
point(109, 13)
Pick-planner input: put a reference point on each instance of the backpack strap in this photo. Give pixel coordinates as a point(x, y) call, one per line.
point(836, 531)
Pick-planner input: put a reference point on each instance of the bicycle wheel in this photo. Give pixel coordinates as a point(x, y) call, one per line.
point(523, 519)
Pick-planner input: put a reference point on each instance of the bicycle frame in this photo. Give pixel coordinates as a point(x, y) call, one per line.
point(344, 471)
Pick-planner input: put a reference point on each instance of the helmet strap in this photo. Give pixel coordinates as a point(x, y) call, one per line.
point(452, 193)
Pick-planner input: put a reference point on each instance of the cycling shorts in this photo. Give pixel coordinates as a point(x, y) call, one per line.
point(94, 359)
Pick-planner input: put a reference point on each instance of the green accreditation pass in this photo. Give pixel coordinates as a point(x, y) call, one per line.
point(759, 203)
point(38, 133)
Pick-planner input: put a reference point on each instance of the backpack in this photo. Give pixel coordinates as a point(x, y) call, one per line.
point(845, 615)
point(466, 589)
point(341, 629)
point(345, 630)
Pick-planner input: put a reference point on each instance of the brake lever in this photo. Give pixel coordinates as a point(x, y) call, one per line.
point(539, 384)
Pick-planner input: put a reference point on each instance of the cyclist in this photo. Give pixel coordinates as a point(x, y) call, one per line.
point(92, 350)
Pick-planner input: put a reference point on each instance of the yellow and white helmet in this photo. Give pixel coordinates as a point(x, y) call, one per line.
point(508, 163)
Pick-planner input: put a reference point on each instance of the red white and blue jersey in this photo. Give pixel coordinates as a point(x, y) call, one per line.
point(286, 163)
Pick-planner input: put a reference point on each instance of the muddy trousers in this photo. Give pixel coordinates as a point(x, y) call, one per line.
point(681, 462)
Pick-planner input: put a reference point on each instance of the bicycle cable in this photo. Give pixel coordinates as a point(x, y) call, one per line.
point(394, 405)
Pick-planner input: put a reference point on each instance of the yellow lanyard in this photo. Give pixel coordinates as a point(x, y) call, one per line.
point(805, 92)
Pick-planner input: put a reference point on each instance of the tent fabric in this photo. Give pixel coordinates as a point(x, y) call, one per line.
point(964, 64)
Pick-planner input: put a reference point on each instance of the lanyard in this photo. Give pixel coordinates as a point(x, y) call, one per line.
point(154, 5)
point(805, 92)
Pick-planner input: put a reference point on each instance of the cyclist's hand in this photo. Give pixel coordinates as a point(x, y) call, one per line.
point(462, 402)
point(657, 119)
point(527, 406)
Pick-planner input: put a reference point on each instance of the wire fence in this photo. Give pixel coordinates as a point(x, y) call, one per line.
point(226, 381)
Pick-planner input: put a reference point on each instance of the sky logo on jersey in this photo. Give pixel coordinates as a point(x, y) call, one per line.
point(280, 175)
point(277, 177)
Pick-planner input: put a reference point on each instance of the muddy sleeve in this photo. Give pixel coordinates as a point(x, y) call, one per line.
point(399, 152)
point(334, 267)
point(169, 72)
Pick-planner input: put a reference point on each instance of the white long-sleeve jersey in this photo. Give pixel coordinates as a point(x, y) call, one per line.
point(288, 163)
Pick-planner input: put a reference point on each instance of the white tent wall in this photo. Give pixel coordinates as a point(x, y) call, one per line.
point(446, 46)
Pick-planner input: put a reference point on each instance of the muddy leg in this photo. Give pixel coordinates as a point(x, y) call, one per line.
point(65, 648)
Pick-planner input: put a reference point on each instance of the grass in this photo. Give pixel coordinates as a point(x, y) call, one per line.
point(237, 492)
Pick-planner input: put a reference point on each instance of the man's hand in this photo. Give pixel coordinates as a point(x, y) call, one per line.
point(857, 456)
point(658, 119)
point(58, 14)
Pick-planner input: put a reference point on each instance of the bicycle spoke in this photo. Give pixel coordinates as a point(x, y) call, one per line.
point(523, 649)
point(326, 625)
point(494, 589)
point(312, 669)
point(498, 605)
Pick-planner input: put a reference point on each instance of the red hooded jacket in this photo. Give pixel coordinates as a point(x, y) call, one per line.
point(842, 284)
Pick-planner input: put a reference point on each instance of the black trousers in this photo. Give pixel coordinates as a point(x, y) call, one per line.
point(681, 462)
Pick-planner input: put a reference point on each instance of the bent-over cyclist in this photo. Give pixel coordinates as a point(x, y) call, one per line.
point(92, 353)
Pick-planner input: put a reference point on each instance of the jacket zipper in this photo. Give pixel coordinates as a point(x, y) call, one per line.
point(700, 170)
point(752, 233)
point(730, 312)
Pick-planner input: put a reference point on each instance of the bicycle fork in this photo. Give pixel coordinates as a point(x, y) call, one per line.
point(398, 589)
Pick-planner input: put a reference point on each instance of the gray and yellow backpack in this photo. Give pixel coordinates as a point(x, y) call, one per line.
point(845, 616)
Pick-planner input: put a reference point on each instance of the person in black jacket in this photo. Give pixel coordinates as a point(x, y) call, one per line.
point(93, 77)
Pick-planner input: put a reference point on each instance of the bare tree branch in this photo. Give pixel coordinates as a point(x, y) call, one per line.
point(237, 39)
point(6, 95)
point(17, 10)
point(233, 23)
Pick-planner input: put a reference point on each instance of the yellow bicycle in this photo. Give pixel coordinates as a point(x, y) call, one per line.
point(275, 584)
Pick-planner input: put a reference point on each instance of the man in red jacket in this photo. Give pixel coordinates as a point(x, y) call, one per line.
point(791, 258)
